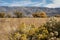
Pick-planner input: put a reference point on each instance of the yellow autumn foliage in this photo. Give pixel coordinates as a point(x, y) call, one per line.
point(31, 32)
point(39, 14)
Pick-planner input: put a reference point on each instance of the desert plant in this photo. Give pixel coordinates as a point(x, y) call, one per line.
point(18, 14)
point(40, 14)
point(30, 32)
point(48, 31)
point(2, 15)
point(8, 16)
point(53, 27)
point(57, 15)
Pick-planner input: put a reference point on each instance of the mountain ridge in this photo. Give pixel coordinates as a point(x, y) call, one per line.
point(30, 10)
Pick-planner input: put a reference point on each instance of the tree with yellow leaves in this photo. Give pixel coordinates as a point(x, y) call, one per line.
point(40, 14)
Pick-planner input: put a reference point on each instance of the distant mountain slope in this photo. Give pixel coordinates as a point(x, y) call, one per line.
point(29, 10)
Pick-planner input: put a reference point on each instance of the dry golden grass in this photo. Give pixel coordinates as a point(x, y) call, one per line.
point(8, 25)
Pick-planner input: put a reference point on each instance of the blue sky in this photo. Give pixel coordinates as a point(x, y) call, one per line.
point(37, 3)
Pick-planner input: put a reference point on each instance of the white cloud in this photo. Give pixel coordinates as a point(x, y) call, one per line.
point(28, 3)
point(56, 3)
point(38, 4)
point(23, 3)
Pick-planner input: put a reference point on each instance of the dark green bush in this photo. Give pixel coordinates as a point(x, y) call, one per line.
point(2, 15)
point(18, 14)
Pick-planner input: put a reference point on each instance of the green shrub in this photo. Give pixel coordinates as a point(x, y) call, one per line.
point(18, 14)
point(2, 15)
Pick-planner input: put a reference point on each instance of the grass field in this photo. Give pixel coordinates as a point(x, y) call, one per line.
point(11, 24)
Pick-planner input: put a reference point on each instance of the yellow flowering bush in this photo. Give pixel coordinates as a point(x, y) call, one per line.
point(30, 32)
